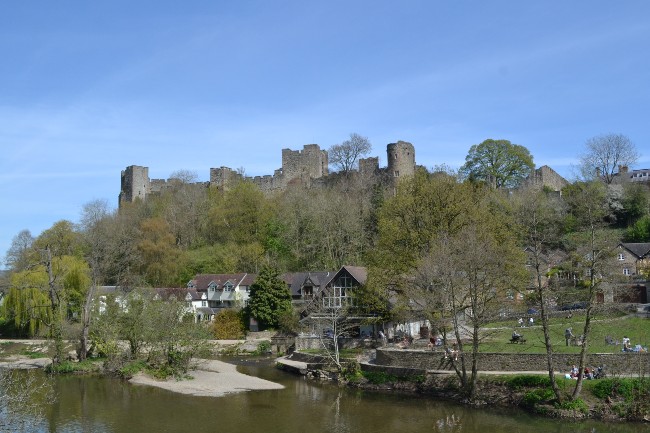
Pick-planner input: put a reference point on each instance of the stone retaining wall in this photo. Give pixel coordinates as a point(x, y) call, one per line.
point(615, 363)
point(303, 343)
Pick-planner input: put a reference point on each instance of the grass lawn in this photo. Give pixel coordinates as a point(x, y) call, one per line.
point(496, 336)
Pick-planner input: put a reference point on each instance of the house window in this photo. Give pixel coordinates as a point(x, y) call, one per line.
point(626, 271)
point(228, 287)
point(204, 303)
point(338, 293)
point(621, 256)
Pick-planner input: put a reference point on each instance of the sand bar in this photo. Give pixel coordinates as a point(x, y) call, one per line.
point(211, 379)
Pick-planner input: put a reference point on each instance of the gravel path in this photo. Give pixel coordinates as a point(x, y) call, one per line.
point(212, 379)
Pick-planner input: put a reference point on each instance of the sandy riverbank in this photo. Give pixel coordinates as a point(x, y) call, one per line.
point(211, 379)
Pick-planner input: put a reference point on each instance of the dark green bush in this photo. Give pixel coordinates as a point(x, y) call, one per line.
point(379, 377)
point(528, 381)
point(536, 396)
point(621, 387)
point(577, 405)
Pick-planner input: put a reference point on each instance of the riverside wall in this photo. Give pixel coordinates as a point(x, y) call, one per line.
point(614, 363)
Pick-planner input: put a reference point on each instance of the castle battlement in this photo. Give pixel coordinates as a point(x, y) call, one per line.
point(307, 168)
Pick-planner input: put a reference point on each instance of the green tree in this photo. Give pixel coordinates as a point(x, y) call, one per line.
point(409, 223)
point(635, 202)
point(269, 298)
point(158, 253)
point(640, 231)
point(498, 163)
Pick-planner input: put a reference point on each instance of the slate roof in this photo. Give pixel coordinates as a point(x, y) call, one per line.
point(640, 250)
point(202, 281)
point(359, 273)
point(296, 280)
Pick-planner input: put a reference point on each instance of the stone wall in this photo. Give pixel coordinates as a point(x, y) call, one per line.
point(134, 184)
point(305, 343)
point(615, 363)
point(401, 159)
point(545, 176)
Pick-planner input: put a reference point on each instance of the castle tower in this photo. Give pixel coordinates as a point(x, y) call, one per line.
point(401, 159)
point(135, 184)
point(309, 163)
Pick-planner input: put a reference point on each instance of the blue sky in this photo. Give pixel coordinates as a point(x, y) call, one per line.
point(88, 88)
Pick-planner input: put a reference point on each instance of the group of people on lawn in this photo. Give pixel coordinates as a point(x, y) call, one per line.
point(590, 373)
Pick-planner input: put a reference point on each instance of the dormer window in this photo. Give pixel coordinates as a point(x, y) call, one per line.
point(228, 286)
point(212, 286)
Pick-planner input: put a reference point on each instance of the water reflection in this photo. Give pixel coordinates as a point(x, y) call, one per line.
point(110, 405)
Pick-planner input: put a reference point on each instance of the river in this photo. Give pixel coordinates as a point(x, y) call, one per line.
point(99, 404)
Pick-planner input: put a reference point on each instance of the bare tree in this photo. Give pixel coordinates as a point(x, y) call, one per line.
point(344, 156)
point(22, 398)
point(605, 154)
point(539, 216)
point(462, 283)
point(93, 222)
point(17, 256)
point(593, 253)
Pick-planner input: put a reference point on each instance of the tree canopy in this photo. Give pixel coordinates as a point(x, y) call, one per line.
point(270, 298)
point(604, 155)
point(498, 163)
point(344, 156)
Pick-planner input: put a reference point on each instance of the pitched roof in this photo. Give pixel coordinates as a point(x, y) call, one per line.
point(296, 280)
point(202, 281)
point(359, 273)
point(640, 249)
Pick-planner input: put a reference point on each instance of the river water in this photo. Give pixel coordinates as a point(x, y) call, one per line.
point(98, 404)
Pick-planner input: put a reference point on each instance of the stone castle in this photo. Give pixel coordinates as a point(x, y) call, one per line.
point(307, 167)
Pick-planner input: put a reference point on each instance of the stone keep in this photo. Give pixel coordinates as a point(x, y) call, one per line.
point(401, 159)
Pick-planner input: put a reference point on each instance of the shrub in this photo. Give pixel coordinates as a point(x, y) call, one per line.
point(130, 369)
point(379, 377)
point(263, 348)
point(576, 405)
point(621, 387)
point(352, 372)
point(536, 396)
point(228, 325)
point(528, 381)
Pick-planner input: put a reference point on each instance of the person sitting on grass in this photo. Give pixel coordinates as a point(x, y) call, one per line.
point(626, 344)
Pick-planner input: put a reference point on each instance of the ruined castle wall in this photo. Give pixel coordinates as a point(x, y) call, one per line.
point(401, 159)
point(307, 168)
point(222, 176)
point(368, 166)
point(311, 162)
point(135, 184)
point(545, 176)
